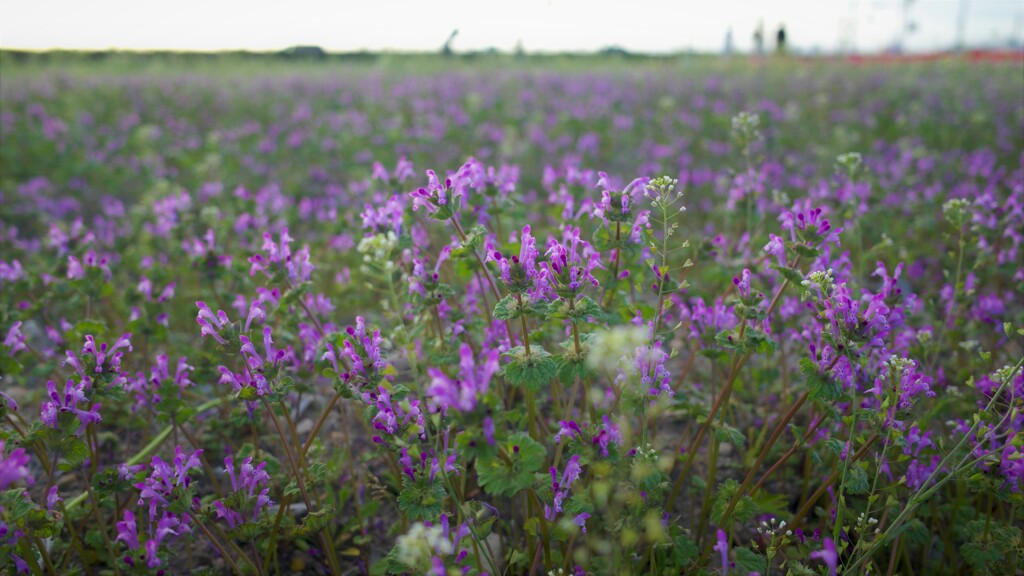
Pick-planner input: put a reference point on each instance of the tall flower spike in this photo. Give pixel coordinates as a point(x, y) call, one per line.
point(810, 227)
point(776, 247)
point(212, 325)
point(15, 340)
point(722, 547)
point(615, 205)
point(462, 393)
point(68, 403)
point(441, 201)
point(561, 488)
point(104, 358)
point(520, 274)
point(14, 467)
point(828, 555)
point(568, 267)
point(250, 481)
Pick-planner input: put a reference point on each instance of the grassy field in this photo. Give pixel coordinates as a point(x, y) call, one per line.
point(489, 314)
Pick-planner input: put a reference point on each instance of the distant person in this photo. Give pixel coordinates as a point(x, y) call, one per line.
point(728, 42)
point(780, 39)
point(759, 39)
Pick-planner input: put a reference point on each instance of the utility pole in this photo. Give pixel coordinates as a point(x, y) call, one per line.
point(907, 26)
point(961, 26)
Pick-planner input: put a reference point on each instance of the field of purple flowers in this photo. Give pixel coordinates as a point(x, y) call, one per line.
point(645, 320)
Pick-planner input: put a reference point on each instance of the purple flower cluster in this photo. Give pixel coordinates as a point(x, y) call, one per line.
point(600, 436)
point(278, 255)
point(249, 484)
point(99, 359)
point(462, 393)
point(13, 467)
point(520, 274)
point(68, 403)
point(146, 389)
point(166, 486)
point(561, 487)
point(570, 264)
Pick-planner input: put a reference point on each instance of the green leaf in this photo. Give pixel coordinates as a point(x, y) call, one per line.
point(508, 473)
point(748, 561)
point(96, 328)
point(8, 365)
point(906, 527)
point(794, 276)
point(474, 236)
point(108, 481)
point(570, 370)
point(248, 393)
point(805, 252)
point(856, 480)
point(745, 508)
point(585, 307)
point(249, 530)
point(758, 341)
point(507, 309)
point(835, 445)
point(582, 309)
point(798, 569)
point(980, 554)
point(483, 516)
point(315, 521)
point(822, 387)
point(684, 550)
point(726, 433)
point(727, 339)
point(603, 240)
point(421, 499)
point(533, 370)
point(74, 451)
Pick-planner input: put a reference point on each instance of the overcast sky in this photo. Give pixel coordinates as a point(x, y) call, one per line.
point(541, 25)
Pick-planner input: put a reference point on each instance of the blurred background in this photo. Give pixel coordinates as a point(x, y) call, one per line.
point(659, 27)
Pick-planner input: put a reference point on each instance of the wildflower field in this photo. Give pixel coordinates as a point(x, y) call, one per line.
point(510, 317)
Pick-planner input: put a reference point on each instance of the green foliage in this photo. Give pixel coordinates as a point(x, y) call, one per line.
point(821, 386)
point(745, 508)
point(73, 451)
point(316, 521)
point(748, 561)
point(726, 433)
point(421, 499)
point(507, 473)
point(856, 480)
point(508, 308)
point(532, 371)
point(474, 236)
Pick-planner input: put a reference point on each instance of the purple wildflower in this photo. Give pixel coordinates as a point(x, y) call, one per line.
point(776, 247)
point(722, 547)
point(158, 489)
point(15, 340)
point(570, 474)
point(212, 325)
point(298, 265)
point(251, 483)
point(570, 264)
point(13, 467)
point(810, 227)
point(67, 403)
point(520, 274)
point(828, 555)
point(462, 393)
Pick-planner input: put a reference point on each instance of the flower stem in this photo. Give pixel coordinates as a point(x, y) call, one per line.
point(216, 544)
